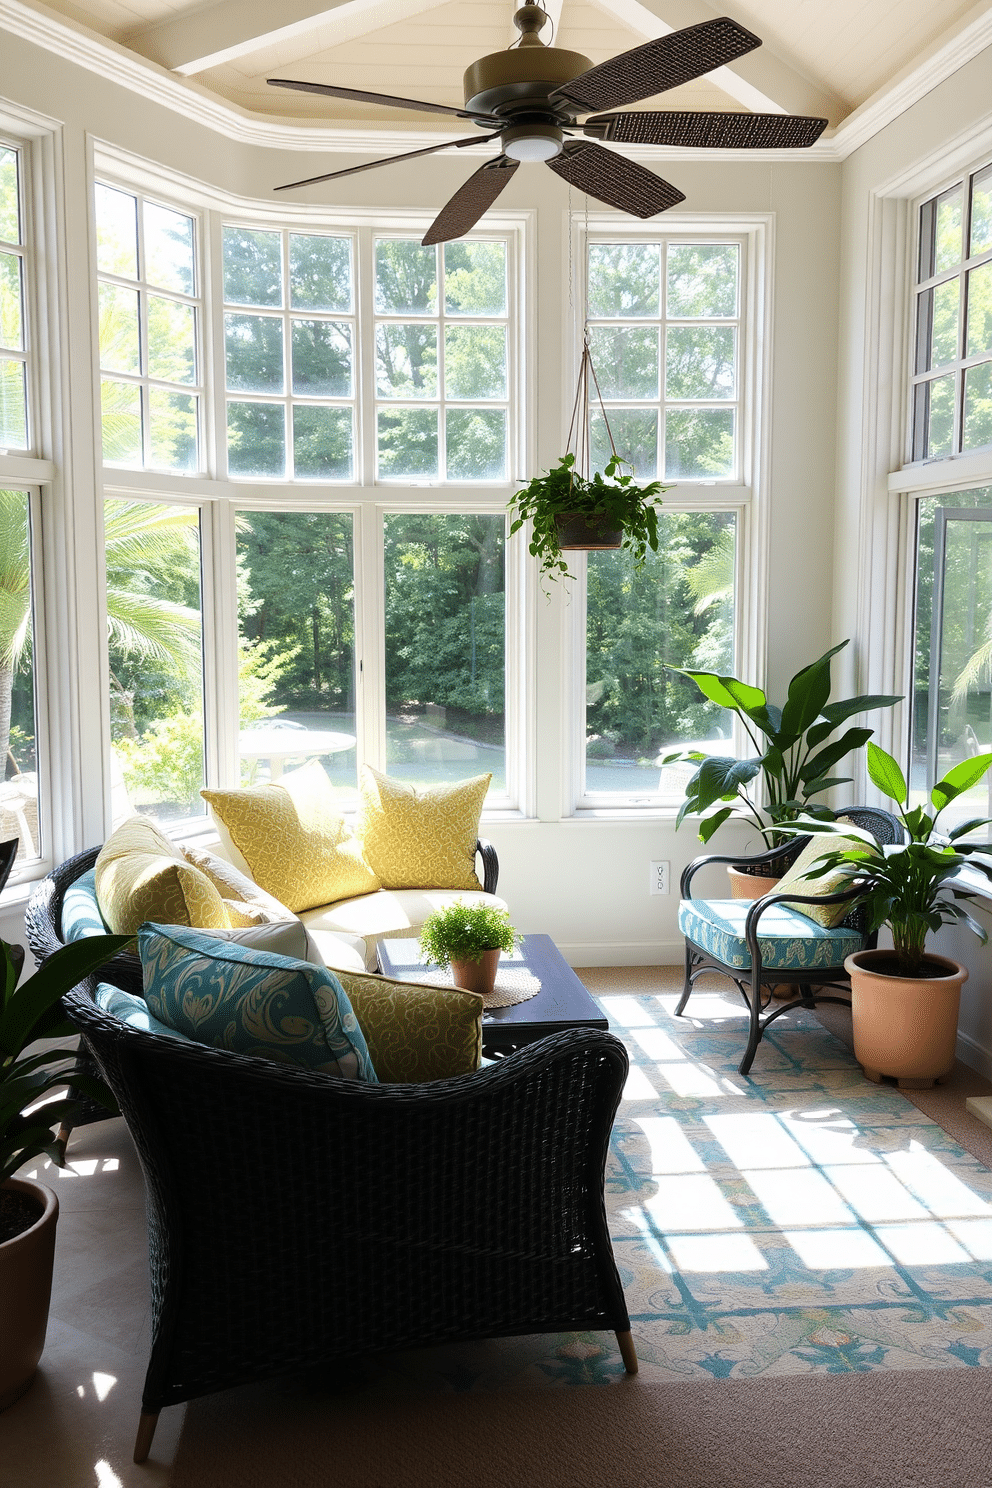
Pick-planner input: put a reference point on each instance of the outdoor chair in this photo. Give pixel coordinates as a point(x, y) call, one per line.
point(762, 944)
point(296, 1219)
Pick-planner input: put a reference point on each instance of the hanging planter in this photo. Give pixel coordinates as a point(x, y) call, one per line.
point(570, 510)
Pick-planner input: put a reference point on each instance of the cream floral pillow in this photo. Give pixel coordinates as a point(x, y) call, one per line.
point(246, 903)
point(142, 875)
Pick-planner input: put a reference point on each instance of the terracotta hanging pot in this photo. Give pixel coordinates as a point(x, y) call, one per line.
point(588, 531)
point(477, 976)
point(905, 1026)
point(26, 1264)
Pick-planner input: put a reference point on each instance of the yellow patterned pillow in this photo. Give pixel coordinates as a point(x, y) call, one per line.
point(415, 1032)
point(142, 875)
point(421, 839)
point(827, 915)
point(293, 839)
point(246, 903)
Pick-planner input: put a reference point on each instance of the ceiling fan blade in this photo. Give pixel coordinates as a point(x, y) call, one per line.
point(658, 65)
point(720, 131)
point(471, 201)
point(353, 170)
point(386, 99)
point(611, 179)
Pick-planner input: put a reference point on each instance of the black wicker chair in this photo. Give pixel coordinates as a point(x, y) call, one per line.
point(755, 982)
point(295, 1219)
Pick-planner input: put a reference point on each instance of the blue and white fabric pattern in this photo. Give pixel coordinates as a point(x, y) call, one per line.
point(251, 1002)
point(787, 939)
point(133, 1011)
point(80, 911)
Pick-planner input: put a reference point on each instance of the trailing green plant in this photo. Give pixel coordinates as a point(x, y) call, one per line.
point(911, 888)
point(613, 495)
point(464, 932)
point(795, 751)
point(29, 1012)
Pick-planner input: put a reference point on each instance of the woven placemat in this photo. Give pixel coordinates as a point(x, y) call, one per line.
point(513, 984)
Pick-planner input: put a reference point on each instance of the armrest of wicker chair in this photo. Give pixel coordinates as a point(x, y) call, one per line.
point(490, 865)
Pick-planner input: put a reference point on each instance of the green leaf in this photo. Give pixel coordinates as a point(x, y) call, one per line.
point(820, 763)
point(718, 779)
point(970, 826)
point(839, 712)
point(808, 692)
point(828, 784)
point(70, 965)
point(968, 773)
point(709, 824)
point(886, 774)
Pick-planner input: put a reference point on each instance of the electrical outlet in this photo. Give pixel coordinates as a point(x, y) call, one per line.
point(658, 883)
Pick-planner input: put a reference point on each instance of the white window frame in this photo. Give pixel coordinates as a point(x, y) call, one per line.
point(743, 494)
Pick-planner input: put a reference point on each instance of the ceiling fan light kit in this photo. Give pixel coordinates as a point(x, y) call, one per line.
point(530, 97)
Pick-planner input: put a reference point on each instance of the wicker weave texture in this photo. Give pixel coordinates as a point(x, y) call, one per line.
point(610, 178)
point(711, 131)
point(471, 200)
point(659, 65)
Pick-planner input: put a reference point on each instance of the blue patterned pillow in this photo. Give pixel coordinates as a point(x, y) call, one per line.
point(251, 1002)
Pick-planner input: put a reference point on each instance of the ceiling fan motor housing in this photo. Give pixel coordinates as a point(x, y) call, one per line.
point(519, 81)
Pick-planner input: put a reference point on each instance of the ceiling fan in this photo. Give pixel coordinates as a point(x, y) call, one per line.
point(530, 97)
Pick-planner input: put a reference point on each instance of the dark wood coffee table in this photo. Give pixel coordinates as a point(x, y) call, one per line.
point(562, 1002)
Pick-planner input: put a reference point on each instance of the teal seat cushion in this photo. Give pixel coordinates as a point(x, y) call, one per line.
point(80, 912)
point(251, 1001)
point(132, 1010)
point(789, 941)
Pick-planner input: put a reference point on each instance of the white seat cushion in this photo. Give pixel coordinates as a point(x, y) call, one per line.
point(338, 952)
point(396, 913)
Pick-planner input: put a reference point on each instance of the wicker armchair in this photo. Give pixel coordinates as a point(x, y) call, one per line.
point(296, 1219)
point(748, 968)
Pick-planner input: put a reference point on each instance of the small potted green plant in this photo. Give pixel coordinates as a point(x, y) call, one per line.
point(567, 511)
point(29, 1210)
point(905, 1001)
point(795, 754)
point(469, 938)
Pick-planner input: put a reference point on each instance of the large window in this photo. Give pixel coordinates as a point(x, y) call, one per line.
point(14, 431)
point(952, 375)
point(19, 813)
point(150, 360)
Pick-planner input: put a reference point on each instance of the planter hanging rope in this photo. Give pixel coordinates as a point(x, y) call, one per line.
point(578, 531)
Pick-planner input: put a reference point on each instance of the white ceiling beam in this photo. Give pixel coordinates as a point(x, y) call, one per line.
point(192, 42)
point(762, 81)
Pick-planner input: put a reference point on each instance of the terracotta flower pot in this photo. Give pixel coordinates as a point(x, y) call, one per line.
point(904, 1026)
point(25, 1291)
point(575, 530)
point(748, 885)
point(477, 976)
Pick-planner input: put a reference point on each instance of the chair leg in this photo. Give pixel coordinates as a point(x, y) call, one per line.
point(627, 1351)
point(687, 984)
point(754, 1034)
point(146, 1430)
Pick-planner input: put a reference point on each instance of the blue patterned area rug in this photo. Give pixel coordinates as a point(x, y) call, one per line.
point(798, 1221)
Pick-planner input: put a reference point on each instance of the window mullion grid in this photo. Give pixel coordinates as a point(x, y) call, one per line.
point(442, 418)
point(367, 413)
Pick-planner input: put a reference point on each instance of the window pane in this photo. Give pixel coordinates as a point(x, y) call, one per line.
point(407, 442)
point(626, 360)
point(940, 415)
point(13, 408)
point(944, 334)
point(475, 361)
point(121, 416)
point(322, 443)
point(171, 340)
point(297, 644)
point(156, 668)
point(699, 443)
point(173, 430)
point(19, 815)
point(120, 345)
point(168, 248)
point(702, 280)
point(254, 353)
point(635, 434)
point(11, 324)
point(319, 272)
point(405, 278)
point(476, 443)
point(445, 648)
point(256, 439)
point(952, 669)
point(678, 610)
point(981, 212)
point(322, 358)
point(980, 310)
point(116, 232)
point(252, 267)
point(10, 231)
point(978, 406)
point(699, 362)
point(475, 278)
point(406, 361)
point(624, 280)
point(947, 242)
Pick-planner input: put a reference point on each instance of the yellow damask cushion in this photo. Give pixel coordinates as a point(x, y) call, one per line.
point(828, 915)
point(246, 903)
point(415, 1032)
point(421, 839)
point(294, 840)
point(142, 875)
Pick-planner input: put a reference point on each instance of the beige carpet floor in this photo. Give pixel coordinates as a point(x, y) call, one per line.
point(920, 1429)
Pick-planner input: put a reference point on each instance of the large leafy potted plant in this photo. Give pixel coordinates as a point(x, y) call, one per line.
point(469, 938)
point(795, 755)
point(905, 1001)
point(29, 1012)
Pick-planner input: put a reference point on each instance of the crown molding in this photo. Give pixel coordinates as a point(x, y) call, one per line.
point(86, 48)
